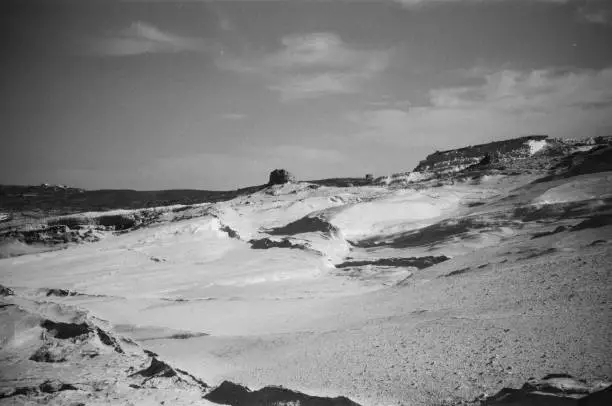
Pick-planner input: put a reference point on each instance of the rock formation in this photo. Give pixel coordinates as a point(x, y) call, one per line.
point(280, 176)
point(441, 161)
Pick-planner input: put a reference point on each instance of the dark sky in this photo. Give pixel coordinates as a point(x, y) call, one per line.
point(214, 94)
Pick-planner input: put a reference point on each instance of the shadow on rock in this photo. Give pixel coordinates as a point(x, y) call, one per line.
point(229, 393)
point(305, 225)
point(434, 234)
point(416, 262)
point(600, 220)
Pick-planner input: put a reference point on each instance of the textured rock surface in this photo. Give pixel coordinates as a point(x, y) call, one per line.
point(441, 161)
point(280, 176)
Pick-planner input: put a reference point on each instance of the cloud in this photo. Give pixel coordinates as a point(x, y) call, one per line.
point(507, 104)
point(143, 38)
point(544, 90)
point(311, 65)
point(596, 12)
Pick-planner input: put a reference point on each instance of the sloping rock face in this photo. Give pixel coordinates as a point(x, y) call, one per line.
point(457, 159)
point(280, 176)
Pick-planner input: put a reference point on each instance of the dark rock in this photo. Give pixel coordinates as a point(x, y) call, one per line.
point(230, 232)
point(266, 243)
point(117, 221)
point(229, 393)
point(436, 233)
point(596, 221)
point(200, 382)
point(4, 291)
point(157, 368)
point(484, 162)
point(61, 292)
point(280, 176)
point(308, 224)
point(106, 339)
point(557, 230)
point(24, 390)
point(65, 330)
point(458, 271)
point(52, 386)
point(417, 262)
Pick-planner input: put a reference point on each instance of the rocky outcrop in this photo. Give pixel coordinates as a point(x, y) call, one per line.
point(4, 291)
point(280, 177)
point(457, 159)
point(229, 393)
point(267, 243)
point(416, 262)
point(307, 224)
point(157, 368)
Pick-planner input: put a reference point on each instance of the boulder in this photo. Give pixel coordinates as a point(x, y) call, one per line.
point(5, 291)
point(280, 176)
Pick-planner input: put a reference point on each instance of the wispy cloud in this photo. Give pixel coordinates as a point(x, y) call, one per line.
point(596, 12)
point(507, 104)
point(312, 65)
point(144, 38)
point(542, 90)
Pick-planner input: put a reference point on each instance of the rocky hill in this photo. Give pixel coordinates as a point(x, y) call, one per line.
point(536, 154)
point(455, 160)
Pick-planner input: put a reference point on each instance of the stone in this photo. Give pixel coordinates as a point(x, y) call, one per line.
point(6, 291)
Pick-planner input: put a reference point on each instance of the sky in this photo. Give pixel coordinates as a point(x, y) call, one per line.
point(162, 94)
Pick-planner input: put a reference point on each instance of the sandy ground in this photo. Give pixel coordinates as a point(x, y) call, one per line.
point(503, 308)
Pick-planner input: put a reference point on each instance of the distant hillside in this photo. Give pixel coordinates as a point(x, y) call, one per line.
point(342, 182)
point(54, 200)
point(59, 201)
